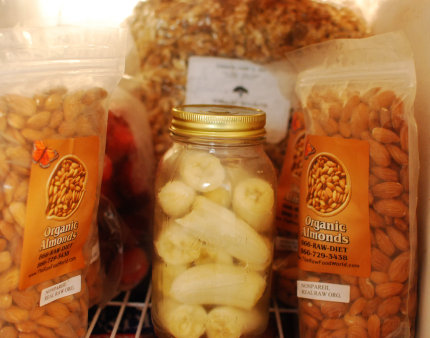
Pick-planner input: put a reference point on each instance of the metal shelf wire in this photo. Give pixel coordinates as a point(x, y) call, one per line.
point(122, 303)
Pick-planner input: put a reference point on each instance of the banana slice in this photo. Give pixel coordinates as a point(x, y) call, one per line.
point(166, 274)
point(176, 246)
point(230, 322)
point(220, 227)
point(211, 254)
point(202, 171)
point(219, 284)
point(176, 198)
point(183, 320)
point(220, 196)
point(253, 201)
point(226, 322)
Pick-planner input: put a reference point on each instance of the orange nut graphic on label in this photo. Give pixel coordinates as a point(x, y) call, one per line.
point(66, 188)
point(329, 185)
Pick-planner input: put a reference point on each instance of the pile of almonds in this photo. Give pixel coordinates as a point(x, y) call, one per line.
point(53, 114)
point(383, 305)
point(328, 189)
point(66, 188)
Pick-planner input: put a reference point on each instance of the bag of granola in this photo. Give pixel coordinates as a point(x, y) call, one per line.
point(54, 87)
point(358, 196)
point(214, 51)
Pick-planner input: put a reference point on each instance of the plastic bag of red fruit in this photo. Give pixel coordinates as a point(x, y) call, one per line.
point(127, 182)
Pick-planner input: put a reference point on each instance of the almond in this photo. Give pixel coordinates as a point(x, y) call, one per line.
point(311, 309)
point(345, 129)
point(389, 325)
point(389, 307)
point(371, 306)
point(384, 243)
point(333, 324)
point(323, 333)
point(391, 207)
point(385, 174)
point(379, 260)
point(356, 332)
point(379, 277)
point(26, 327)
point(333, 309)
point(26, 299)
point(357, 306)
point(397, 113)
point(382, 100)
point(45, 332)
point(398, 239)
point(376, 220)
point(14, 314)
point(360, 120)
point(9, 280)
point(21, 105)
point(8, 332)
point(366, 288)
point(65, 330)
point(374, 326)
point(398, 154)
point(309, 321)
point(387, 290)
point(374, 120)
point(369, 94)
point(355, 321)
point(404, 177)
point(373, 180)
point(399, 268)
point(340, 333)
point(354, 293)
point(48, 321)
point(350, 105)
point(387, 190)
point(379, 153)
point(36, 313)
point(329, 125)
point(385, 135)
point(58, 311)
point(400, 224)
point(353, 280)
point(385, 119)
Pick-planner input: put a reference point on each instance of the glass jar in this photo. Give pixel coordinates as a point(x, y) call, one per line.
point(214, 225)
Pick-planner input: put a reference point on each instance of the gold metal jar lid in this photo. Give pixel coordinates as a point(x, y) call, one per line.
point(218, 121)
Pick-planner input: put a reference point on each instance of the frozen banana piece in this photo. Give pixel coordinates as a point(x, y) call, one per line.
point(230, 322)
point(176, 246)
point(176, 198)
point(213, 255)
point(220, 227)
point(220, 196)
point(166, 274)
point(253, 201)
point(202, 171)
point(183, 320)
point(219, 284)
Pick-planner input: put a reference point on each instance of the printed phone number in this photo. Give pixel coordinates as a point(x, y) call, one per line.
point(323, 255)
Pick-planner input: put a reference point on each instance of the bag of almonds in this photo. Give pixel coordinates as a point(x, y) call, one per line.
point(54, 84)
point(358, 196)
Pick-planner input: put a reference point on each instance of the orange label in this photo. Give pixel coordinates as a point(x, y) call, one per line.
point(334, 208)
point(287, 209)
point(61, 198)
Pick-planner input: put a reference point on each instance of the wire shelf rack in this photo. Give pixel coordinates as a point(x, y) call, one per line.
point(128, 315)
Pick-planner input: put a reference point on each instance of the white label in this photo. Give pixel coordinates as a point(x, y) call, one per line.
point(95, 252)
point(60, 290)
point(286, 244)
point(213, 80)
point(323, 291)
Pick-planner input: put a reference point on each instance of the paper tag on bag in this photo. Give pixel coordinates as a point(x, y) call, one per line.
point(323, 291)
point(214, 80)
point(60, 290)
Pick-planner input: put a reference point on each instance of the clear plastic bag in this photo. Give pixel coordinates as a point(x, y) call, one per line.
point(169, 33)
point(54, 87)
point(361, 154)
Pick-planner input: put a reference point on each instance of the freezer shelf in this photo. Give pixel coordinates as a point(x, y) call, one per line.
point(283, 321)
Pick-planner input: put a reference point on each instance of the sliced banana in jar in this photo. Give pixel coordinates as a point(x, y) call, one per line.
point(202, 171)
point(176, 246)
point(176, 198)
point(253, 201)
